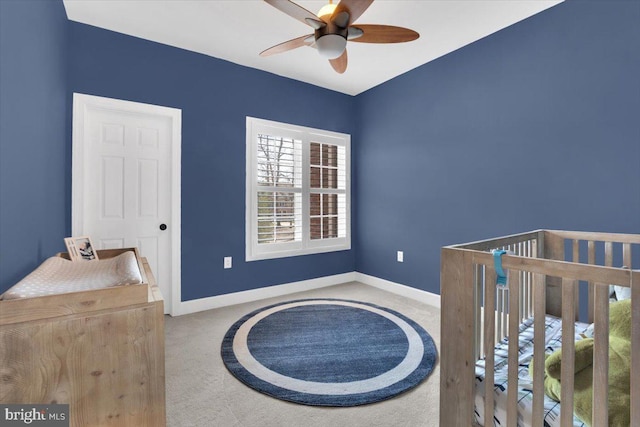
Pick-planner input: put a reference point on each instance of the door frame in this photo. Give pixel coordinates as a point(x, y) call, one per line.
point(81, 102)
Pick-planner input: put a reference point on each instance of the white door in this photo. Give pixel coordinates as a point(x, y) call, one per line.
point(123, 177)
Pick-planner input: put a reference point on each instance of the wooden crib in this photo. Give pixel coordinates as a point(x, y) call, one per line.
point(544, 277)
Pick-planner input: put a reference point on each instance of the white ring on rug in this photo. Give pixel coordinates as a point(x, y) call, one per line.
point(409, 364)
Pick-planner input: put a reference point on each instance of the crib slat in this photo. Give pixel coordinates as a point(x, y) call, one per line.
point(530, 280)
point(498, 317)
point(568, 352)
point(538, 348)
point(532, 254)
point(601, 356)
point(576, 295)
point(477, 326)
point(514, 322)
point(523, 282)
point(635, 348)
point(608, 254)
point(626, 254)
point(489, 341)
point(505, 313)
point(553, 249)
point(523, 297)
point(591, 259)
point(530, 291)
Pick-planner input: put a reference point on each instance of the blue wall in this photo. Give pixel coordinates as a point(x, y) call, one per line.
point(35, 185)
point(215, 97)
point(536, 126)
point(533, 127)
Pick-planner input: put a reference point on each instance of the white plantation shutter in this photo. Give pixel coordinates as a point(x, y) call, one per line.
point(279, 189)
point(298, 190)
point(327, 191)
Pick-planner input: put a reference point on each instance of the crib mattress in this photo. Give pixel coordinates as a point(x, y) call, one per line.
point(553, 341)
point(58, 275)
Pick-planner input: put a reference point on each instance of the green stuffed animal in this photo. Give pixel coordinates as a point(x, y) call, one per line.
point(619, 370)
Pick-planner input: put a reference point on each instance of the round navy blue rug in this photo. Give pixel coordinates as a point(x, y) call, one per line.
point(328, 352)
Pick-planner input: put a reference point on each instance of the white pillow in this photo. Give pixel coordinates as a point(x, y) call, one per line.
point(622, 293)
point(588, 333)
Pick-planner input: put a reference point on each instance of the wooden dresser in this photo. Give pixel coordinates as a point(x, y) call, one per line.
point(101, 351)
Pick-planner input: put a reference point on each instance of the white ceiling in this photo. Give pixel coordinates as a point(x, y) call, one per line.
point(238, 30)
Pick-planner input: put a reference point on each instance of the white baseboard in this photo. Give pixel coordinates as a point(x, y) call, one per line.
point(397, 288)
point(218, 301)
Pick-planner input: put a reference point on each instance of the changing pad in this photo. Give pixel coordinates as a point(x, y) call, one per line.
point(58, 275)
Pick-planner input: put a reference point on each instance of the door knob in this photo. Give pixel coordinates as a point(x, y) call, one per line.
point(163, 227)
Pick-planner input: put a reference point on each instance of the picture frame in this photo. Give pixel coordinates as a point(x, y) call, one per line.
point(81, 248)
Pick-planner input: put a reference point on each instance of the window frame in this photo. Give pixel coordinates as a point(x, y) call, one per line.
point(306, 246)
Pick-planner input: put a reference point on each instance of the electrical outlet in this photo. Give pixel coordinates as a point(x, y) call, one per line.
point(227, 262)
point(400, 256)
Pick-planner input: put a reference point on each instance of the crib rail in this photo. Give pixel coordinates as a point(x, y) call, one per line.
point(475, 315)
point(521, 245)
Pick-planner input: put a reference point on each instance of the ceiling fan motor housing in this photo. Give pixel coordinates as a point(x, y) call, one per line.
point(331, 40)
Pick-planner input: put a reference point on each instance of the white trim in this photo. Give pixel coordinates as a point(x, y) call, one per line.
point(176, 211)
point(80, 104)
point(219, 301)
point(305, 246)
point(77, 159)
point(209, 303)
point(397, 288)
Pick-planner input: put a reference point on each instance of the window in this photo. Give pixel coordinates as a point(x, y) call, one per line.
point(298, 190)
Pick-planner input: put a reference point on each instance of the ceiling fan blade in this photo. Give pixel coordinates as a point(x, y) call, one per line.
point(297, 12)
point(340, 19)
point(340, 63)
point(354, 8)
point(316, 24)
point(384, 34)
point(354, 33)
point(288, 45)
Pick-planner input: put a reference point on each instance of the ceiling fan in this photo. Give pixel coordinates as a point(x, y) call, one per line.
point(334, 25)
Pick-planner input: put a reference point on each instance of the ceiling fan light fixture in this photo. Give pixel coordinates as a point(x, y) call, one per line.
point(331, 46)
point(327, 9)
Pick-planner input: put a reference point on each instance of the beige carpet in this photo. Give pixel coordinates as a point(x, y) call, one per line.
point(201, 392)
